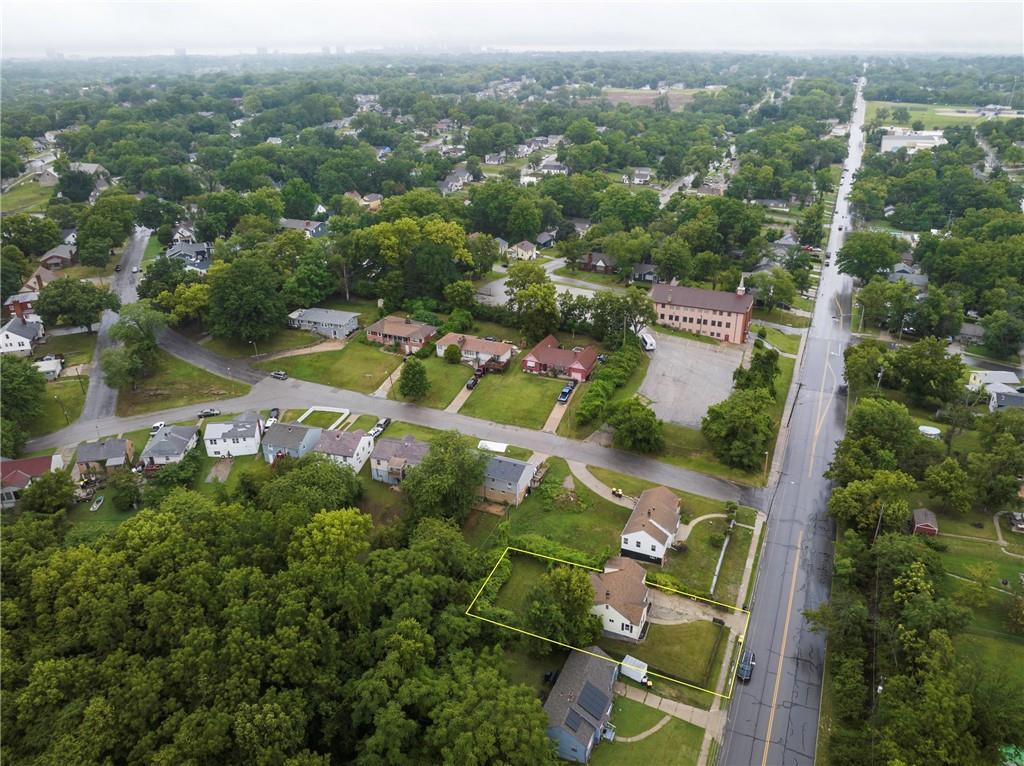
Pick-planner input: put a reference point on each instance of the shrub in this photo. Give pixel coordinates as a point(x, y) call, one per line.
point(452, 354)
point(717, 540)
point(428, 350)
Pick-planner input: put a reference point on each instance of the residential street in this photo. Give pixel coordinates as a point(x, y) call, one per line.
point(101, 399)
point(774, 718)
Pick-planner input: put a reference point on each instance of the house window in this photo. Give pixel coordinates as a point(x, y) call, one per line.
point(627, 627)
point(625, 541)
point(637, 543)
point(728, 324)
point(653, 548)
point(662, 316)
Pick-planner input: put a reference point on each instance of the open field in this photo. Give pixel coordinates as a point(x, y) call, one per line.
point(514, 397)
point(381, 501)
point(677, 97)
point(88, 272)
point(26, 197)
point(778, 316)
point(87, 525)
point(175, 383)
point(66, 395)
point(446, 380)
point(358, 366)
point(934, 116)
point(514, 594)
point(77, 348)
point(282, 340)
point(784, 342)
point(364, 422)
point(316, 419)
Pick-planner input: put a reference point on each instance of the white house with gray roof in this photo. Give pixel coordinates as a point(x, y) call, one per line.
point(391, 458)
point(579, 706)
point(351, 448)
point(168, 445)
point(289, 440)
point(19, 335)
point(506, 480)
point(239, 437)
point(327, 322)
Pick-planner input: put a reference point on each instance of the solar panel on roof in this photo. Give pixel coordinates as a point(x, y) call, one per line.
point(593, 700)
point(573, 720)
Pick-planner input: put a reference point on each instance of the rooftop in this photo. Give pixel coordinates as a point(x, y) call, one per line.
point(696, 298)
point(622, 587)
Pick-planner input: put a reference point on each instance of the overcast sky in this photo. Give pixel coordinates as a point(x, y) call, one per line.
point(85, 27)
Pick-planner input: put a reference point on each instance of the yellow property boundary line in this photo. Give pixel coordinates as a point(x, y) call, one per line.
point(732, 607)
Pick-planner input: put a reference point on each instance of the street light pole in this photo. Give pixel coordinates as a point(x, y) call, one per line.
point(766, 466)
point(256, 351)
point(63, 408)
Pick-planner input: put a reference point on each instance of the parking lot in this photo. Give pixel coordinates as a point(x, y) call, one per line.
point(686, 377)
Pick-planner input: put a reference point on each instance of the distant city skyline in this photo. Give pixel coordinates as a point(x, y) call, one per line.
point(32, 29)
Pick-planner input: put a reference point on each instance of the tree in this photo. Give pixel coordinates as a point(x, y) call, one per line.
point(50, 493)
point(413, 383)
point(445, 484)
point(949, 484)
point(14, 268)
point(124, 490)
point(810, 229)
point(309, 484)
point(12, 438)
point(571, 249)
point(674, 260)
point(32, 236)
point(862, 364)
point(23, 388)
point(740, 428)
point(245, 300)
point(867, 253)
point(522, 274)
point(76, 185)
point(460, 294)
point(773, 287)
point(74, 302)
point(559, 607)
point(764, 368)
point(299, 199)
point(876, 502)
point(636, 427)
point(136, 328)
point(121, 367)
point(1004, 334)
point(926, 372)
point(536, 310)
point(993, 472)
point(452, 353)
point(188, 303)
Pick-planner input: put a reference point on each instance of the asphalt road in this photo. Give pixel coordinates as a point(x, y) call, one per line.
point(773, 719)
point(101, 399)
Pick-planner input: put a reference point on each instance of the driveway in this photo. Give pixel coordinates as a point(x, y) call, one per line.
point(686, 377)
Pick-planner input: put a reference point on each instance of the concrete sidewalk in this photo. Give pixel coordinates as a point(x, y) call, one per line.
point(459, 400)
point(591, 482)
point(694, 715)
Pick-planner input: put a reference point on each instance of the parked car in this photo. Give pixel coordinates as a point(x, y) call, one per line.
point(647, 341)
point(96, 504)
point(490, 337)
point(383, 423)
point(471, 383)
point(572, 384)
point(745, 670)
point(374, 432)
point(564, 395)
point(275, 412)
point(156, 427)
point(135, 269)
point(117, 267)
point(209, 412)
point(479, 371)
point(279, 375)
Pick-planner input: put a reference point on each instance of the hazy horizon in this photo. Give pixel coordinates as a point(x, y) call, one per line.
point(223, 27)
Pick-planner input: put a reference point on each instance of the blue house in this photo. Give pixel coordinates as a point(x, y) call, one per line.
point(289, 439)
point(580, 704)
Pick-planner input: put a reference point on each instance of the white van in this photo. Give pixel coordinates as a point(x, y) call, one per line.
point(647, 341)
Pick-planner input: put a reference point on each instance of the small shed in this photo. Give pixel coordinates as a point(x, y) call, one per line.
point(925, 522)
point(634, 669)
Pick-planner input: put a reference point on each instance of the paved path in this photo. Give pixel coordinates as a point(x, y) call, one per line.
point(645, 734)
point(591, 482)
point(385, 388)
point(557, 413)
point(327, 344)
point(295, 394)
point(459, 400)
point(694, 715)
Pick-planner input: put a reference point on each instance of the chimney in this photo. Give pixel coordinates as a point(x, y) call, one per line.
point(39, 282)
point(18, 308)
point(607, 594)
point(740, 289)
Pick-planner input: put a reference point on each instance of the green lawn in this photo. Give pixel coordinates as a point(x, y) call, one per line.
point(595, 277)
point(802, 303)
point(778, 316)
point(479, 527)
point(87, 525)
point(77, 348)
point(66, 395)
point(521, 667)
point(784, 342)
point(399, 429)
point(1007, 655)
point(26, 197)
point(514, 397)
point(594, 531)
point(632, 718)
point(283, 340)
point(685, 334)
point(240, 465)
point(446, 380)
point(383, 503)
point(929, 114)
point(87, 272)
point(961, 554)
point(695, 566)
point(358, 366)
point(364, 422)
point(153, 249)
point(688, 448)
point(677, 743)
point(514, 594)
point(727, 589)
point(176, 383)
point(316, 419)
point(690, 652)
point(570, 427)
